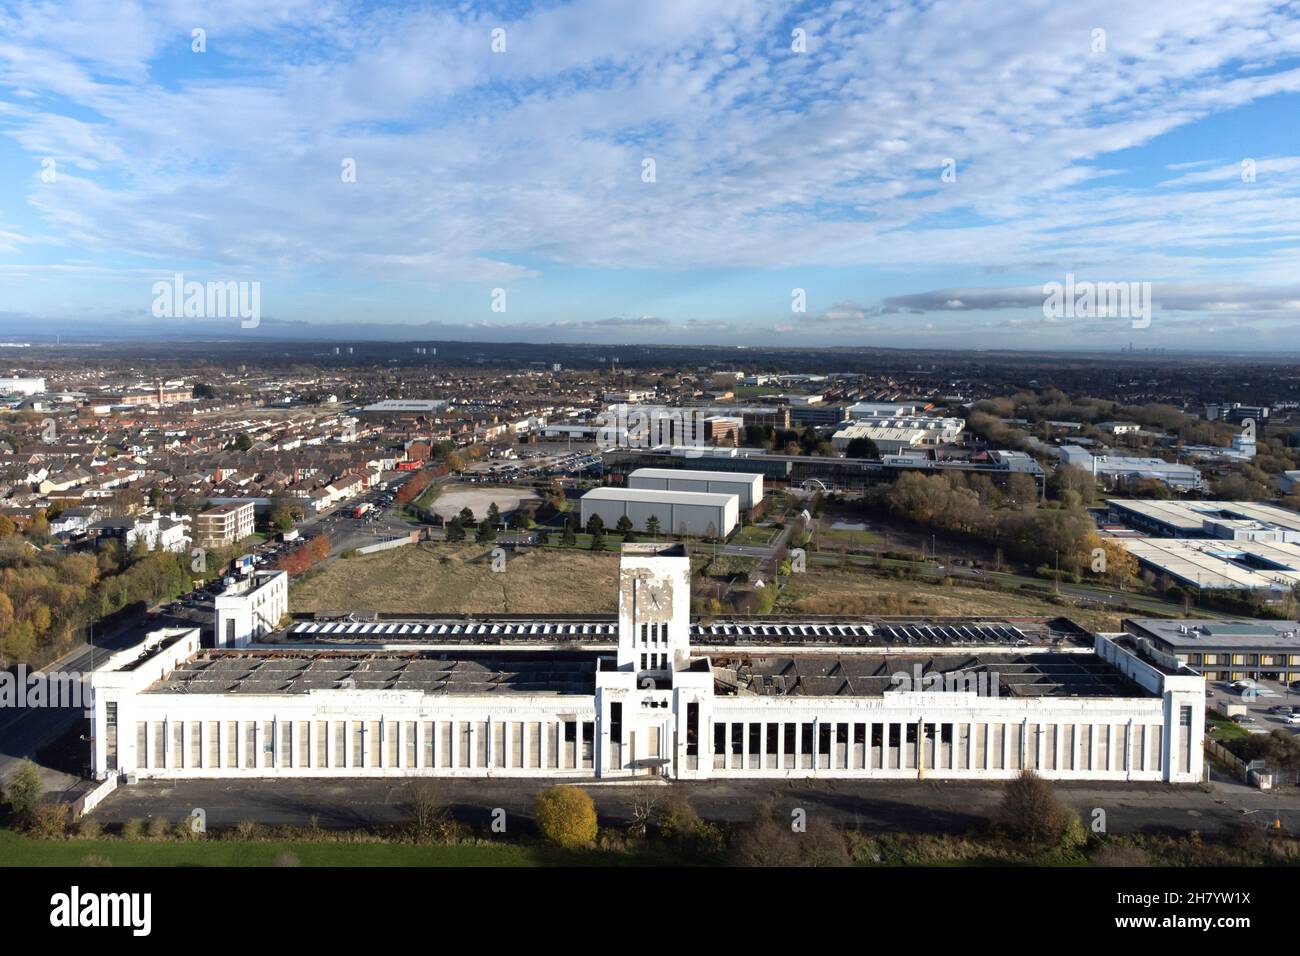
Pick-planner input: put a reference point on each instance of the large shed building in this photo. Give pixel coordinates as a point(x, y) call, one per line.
point(678, 512)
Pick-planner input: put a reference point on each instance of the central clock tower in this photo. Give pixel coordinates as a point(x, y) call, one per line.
point(654, 608)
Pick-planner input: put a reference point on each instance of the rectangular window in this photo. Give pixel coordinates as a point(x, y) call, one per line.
point(110, 735)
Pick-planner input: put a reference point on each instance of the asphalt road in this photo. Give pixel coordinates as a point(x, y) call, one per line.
point(939, 807)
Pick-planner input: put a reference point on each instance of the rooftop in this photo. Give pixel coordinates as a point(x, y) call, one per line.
point(276, 672)
point(1206, 635)
point(1003, 674)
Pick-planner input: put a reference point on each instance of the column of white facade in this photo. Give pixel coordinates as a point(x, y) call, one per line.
point(744, 745)
point(205, 750)
point(240, 743)
point(780, 746)
point(507, 756)
point(524, 754)
point(1006, 746)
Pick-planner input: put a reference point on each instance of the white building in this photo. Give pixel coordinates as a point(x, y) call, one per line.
point(883, 409)
point(1124, 469)
point(250, 607)
point(652, 693)
point(21, 386)
point(745, 485)
point(679, 512)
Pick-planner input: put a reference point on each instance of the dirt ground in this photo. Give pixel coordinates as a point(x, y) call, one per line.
point(438, 578)
point(478, 500)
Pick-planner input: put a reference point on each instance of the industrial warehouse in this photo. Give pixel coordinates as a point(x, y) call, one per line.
point(651, 693)
point(1212, 545)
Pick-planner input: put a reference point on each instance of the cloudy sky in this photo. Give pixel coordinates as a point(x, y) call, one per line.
point(660, 170)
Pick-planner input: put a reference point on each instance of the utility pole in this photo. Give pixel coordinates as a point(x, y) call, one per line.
point(1057, 575)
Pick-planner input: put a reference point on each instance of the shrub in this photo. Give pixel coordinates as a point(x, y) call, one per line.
point(133, 829)
point(677, 818)
point(24, 790)
point(1118, 854)
point(158, 828)
point(48, 821)
point(427, 819)
point(89, 828)
point(1030, 811)
point(566, 816)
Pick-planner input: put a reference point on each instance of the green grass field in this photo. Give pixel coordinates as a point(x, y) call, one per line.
point(19, 850)
point(754, 536)
point(833, 537)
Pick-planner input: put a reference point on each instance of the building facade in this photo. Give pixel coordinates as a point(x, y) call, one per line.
point(224, 524)
point(651, 694)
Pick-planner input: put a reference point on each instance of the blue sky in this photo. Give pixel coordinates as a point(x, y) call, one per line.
point(1114, 157)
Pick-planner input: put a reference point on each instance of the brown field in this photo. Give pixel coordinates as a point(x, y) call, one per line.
point(432, 579)
point(853, 593)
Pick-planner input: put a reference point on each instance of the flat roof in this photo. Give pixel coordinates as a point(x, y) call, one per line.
point(1021, 675)
point(1202, 635)
point(1220, 562)
point(276, 672)
point(709, 498)
point(1190, 516)
point(695, 474)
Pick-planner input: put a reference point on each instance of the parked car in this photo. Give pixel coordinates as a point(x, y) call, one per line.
point(1245, 719)
point(1292, 718)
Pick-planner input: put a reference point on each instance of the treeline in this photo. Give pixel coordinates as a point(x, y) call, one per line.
point(47, 600)
point(311, 552)
point(976, 507)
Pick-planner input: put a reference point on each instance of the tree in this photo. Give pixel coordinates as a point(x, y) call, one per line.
point(455, 531)
point(24, 790)
point(570, 537)
point(486, 532)
point(624, 526)
point(861, 448)
point(566, 816)
point(466, 515)
point(494, 514)
point(595, 525)
point(652, 526)
point(1030, 811)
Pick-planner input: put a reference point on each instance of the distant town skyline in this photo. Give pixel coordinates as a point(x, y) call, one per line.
point(740, 172)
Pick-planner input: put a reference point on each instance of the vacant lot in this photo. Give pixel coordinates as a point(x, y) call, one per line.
point(440, 578)
point(478, 500)
point(856, 593)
